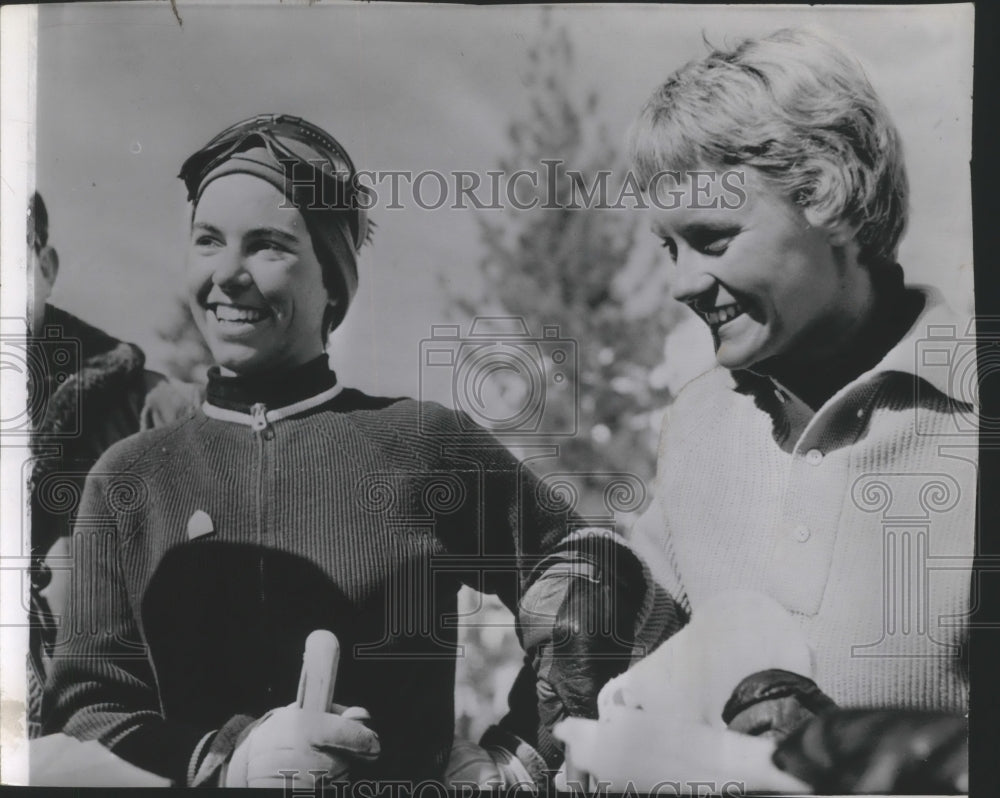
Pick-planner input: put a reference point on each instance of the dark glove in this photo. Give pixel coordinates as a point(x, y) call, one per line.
point(773, 703)
point(577, 622)
point(879, 751)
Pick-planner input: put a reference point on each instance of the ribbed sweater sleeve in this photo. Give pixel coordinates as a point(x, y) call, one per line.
point(101, 686)
point(508, 529)
point(650, 537)
point(576, 594)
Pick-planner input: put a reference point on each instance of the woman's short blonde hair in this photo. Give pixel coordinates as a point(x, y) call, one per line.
point(795, 107)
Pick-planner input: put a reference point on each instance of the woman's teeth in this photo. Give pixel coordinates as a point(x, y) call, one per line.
point(237, 314)
point(723, 314)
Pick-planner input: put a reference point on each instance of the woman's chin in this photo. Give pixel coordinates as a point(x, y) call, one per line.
point(735, 358)
point(738, 343)
point(233, 359)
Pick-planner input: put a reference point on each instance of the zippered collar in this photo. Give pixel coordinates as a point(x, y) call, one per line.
point(260, 417)
point(259, 400)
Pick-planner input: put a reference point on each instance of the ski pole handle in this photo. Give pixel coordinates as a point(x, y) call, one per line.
point(319, 671)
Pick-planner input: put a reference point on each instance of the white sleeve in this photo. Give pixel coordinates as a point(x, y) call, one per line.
point(650, 539)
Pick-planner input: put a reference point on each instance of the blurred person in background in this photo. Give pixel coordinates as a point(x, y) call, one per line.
point(777, 185)
point(290, 503)
point(86, 391)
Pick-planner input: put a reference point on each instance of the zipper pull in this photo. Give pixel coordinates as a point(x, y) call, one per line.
point(258, 415)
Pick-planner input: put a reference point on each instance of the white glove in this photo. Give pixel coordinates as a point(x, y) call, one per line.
point(300, 749)
point(633, 750)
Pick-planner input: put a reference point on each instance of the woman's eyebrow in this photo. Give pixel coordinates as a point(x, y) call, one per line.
point(708, 227)
point(208, 228)
point(276, 232)
point(699, 224)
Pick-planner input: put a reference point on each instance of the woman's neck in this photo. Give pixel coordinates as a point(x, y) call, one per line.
point(888, 313)
point(271, 388)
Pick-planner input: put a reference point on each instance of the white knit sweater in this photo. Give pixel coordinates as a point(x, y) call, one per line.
point(859, 518)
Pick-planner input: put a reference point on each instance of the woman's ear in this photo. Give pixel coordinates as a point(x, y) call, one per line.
point(841, 233)
point(333, 315)
point(48, 262)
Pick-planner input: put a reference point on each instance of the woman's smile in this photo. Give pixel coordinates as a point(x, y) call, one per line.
point(234, 314)
point(719, 316)
point(234, 320)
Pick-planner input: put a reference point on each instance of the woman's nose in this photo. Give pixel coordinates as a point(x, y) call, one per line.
point(230, 271)
point(690, 279)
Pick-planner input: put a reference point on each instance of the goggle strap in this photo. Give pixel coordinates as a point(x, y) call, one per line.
point(225, 144)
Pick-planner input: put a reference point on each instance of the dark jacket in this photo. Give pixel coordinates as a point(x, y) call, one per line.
point(87, 390)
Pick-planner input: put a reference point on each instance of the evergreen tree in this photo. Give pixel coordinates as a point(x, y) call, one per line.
point(563, 262)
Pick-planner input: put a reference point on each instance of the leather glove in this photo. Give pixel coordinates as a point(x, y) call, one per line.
point(300, 749)
point(577, 621)
point(773, 703)
point(879, 751)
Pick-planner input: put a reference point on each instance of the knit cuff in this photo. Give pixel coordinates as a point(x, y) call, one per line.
point(160, 747)
point(515, 752)
point(196, 758)
point(218, 747)
point(659, 615)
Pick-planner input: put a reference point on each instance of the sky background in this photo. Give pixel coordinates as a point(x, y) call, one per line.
point(125, 94)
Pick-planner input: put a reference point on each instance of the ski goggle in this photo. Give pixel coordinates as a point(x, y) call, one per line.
point(296, 144)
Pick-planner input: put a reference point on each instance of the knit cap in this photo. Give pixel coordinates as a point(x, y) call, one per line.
point(324, 195)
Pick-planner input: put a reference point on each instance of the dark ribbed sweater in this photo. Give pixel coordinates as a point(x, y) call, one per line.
point(361, 515)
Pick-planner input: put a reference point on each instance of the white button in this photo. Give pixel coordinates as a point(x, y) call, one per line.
point(801, 533)
point(814, 457)
point(861, 412)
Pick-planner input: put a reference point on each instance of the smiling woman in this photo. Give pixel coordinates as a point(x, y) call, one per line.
point(787, 469)
point(290, 503)
point(819, 384)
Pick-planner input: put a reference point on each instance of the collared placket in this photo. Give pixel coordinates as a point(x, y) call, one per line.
point(815, 485)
